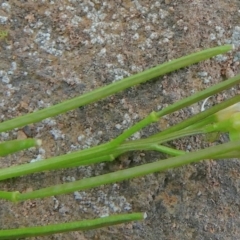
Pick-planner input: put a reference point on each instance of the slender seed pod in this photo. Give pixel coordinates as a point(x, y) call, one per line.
point(71, 226)
point(17, 145)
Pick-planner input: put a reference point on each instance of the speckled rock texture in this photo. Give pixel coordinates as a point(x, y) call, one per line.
point(57, 50)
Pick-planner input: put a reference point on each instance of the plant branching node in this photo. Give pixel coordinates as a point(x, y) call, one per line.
point(154, 116)
point(15, 196)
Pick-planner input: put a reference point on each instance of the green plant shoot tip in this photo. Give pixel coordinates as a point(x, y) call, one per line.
point(18, 145)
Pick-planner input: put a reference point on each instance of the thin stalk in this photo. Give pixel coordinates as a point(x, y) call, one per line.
point(166, 150)
point(148, 143)
point(129, 173)
point(71, 226)
point(108, 90)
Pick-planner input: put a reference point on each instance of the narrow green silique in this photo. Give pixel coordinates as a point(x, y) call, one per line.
point(71, 226)
point(115, 87)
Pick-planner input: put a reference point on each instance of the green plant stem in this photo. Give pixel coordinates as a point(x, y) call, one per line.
point(71, 226)
point(145, 169)
point(167, 150)
point(149, 143)
point(115, 87)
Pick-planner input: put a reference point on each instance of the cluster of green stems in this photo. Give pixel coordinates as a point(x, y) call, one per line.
point(205, 122)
